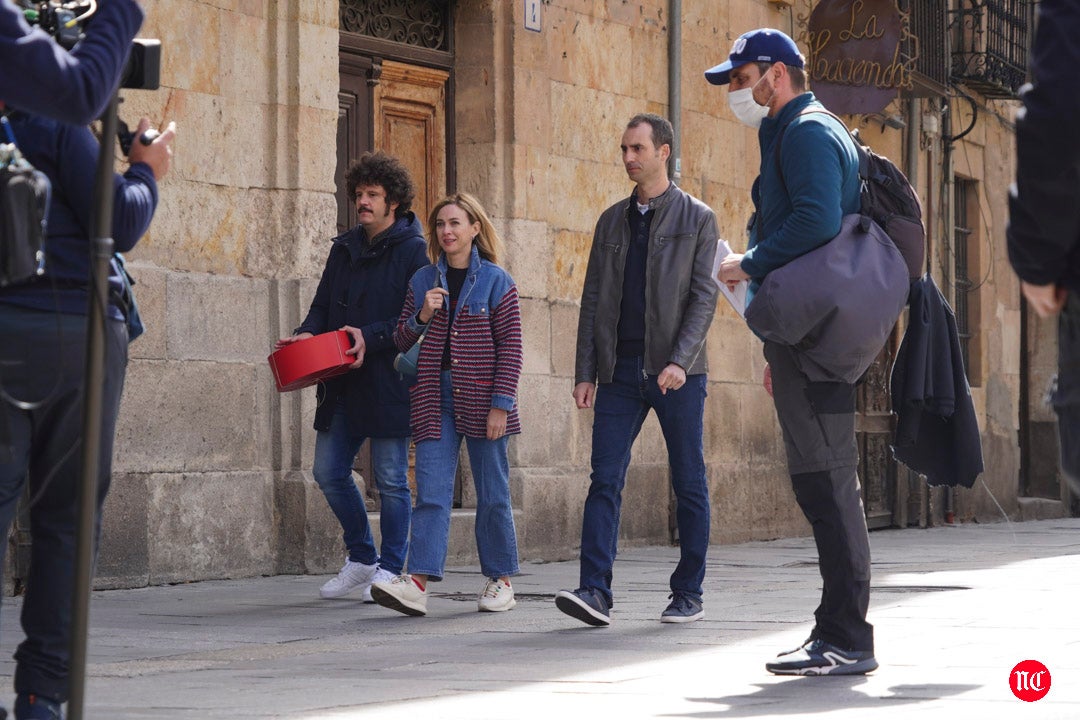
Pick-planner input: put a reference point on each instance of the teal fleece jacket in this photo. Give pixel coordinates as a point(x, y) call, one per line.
point(820, 185)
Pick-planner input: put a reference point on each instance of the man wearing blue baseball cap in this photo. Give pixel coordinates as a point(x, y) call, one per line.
point(764, 45)
point(808, 180)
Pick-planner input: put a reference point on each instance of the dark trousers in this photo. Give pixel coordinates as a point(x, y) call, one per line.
point(42, 358)
point(621, 407)
point(1066, 395)
point(818, 424)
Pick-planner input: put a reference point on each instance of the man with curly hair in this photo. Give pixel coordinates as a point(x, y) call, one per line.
point(361, 292)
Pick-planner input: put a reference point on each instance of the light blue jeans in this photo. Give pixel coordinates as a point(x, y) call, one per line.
point(436, 466)
point(335, 451)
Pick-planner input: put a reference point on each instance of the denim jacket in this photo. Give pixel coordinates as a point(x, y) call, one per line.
point(485, 349)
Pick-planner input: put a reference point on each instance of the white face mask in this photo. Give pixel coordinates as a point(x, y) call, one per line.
point(746, 108)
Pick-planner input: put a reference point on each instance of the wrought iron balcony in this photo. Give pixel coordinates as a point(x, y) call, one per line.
point(991, 40)
point(927, 42)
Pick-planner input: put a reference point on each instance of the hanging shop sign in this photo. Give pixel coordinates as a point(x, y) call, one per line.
point(861, 53)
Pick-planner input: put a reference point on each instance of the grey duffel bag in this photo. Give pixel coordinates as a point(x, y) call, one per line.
point(837, 303)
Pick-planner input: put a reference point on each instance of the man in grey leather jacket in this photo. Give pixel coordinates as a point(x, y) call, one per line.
point(646, 308)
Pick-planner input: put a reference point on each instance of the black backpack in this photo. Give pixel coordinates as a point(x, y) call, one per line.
point(887, 198)
point(24, 204)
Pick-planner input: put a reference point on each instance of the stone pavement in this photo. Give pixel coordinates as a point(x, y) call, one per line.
point(955, 608)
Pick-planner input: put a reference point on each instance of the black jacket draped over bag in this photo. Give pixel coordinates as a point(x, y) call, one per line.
point(937, 434)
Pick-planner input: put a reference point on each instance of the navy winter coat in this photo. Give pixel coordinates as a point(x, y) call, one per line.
point(364, 286)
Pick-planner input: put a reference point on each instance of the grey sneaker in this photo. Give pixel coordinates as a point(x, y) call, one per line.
point(352, 576)
point(586, 604)
point(379, 576)
point(818, 657)
point(682, 609)
point(401, 594)
point(497, 596)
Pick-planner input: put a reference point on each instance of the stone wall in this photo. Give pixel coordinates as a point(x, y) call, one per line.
point(213, 467)
point(574, 86)
point(206, 451)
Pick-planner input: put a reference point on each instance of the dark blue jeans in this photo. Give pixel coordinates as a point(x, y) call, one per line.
point(620, 409)
point(42, 358)
point(1065, 396)
point(335, 451)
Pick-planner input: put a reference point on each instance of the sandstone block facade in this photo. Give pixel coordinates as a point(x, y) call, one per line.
point(213, 466)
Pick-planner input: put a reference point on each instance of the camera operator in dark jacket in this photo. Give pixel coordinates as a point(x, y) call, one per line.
point(39, 76)
point(361, 291)
point(1044, 205)
point(43, 321)
point(42, 353)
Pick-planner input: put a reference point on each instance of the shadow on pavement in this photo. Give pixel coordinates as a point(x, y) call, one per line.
point(818, 695)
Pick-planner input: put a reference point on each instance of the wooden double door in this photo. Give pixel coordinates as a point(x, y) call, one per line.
point(397, 108)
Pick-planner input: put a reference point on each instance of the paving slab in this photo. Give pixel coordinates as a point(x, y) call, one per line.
point(955, 608)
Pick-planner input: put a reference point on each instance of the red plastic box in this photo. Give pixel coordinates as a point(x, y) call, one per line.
point(305, 362)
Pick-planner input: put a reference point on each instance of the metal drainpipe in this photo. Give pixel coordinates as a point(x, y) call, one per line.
point(947, 269)
point(914, 125)
point(675, 86)
point(911, 169)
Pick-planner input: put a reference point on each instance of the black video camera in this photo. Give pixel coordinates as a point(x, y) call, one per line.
point(65, 22)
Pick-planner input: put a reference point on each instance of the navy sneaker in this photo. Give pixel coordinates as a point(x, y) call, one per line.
point(818, 657)
point(586, 604)
point(682, 609)
point(36, 707)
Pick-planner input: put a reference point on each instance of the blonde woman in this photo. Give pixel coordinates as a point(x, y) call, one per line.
point(466, 306)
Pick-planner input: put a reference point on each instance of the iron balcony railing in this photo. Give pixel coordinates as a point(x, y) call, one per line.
point(991, 40)
point(928, 23)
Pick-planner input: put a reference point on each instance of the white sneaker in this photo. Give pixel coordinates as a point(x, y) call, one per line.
point(496, 596)
point(352, 576)
point(401, 594)
point(379, 576)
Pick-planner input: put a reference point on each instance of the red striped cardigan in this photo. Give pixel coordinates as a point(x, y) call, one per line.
point(485, 350)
